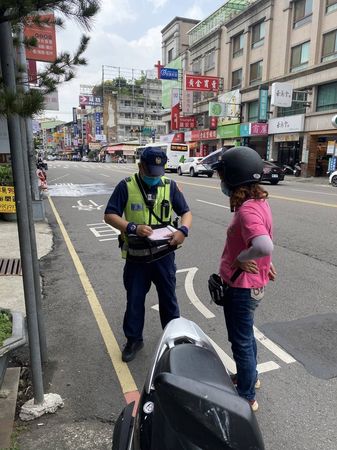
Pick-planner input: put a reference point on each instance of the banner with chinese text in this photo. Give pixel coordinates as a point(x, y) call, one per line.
point(201, 83)
point(7, 199)
point(46, 39)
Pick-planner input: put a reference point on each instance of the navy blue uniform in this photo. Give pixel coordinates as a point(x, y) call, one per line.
point(138, 277)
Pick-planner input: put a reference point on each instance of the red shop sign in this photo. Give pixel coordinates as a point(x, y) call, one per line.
point(259, 128)
point(201, 83)
point(175, 112)
point(178, 138)
point(188, 122)
point(202, 135)
point(213, 123)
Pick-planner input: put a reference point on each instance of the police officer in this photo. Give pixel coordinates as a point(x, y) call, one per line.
point(137, 206)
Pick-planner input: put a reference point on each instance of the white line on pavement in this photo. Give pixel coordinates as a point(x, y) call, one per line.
point(59, 178)
point(267, 366)
point(278, 351)
point(191, 293)
point(213, 204)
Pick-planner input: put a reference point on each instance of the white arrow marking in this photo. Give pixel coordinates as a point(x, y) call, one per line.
point(191, 293)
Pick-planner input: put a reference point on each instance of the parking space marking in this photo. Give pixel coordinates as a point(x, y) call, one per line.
point(104, 230)
point(191, 293)
point(274, 348)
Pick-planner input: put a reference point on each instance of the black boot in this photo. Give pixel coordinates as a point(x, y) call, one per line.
point(130, 350)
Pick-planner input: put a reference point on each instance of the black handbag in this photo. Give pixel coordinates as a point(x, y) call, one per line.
point(219, 289)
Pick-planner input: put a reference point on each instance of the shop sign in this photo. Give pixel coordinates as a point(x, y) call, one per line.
point(281, 94)
point(244, 129)
point(178, 138)
point(201, 83)
point(187, 102)
point(51, 101)
point(166, 73)
point(188, 122)
point(291, 137)
point(288, 124)
point(229, 131)
point(90, 100)
point(175, 112)
point(45, 37)
point(263, 104)
point(200, 135)
point(4, 138)
point(232, 102)
point(213, 123)
point(94, 146)
point(258, 129)
point(7, 199)
point(330, 150)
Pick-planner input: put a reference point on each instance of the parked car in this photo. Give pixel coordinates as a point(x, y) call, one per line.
point(195, 166)
point(272, 173)
point(333, 178)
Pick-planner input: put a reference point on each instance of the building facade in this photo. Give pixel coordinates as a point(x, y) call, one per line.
point(267, 42)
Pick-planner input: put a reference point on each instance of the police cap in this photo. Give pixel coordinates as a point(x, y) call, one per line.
point(155, 159)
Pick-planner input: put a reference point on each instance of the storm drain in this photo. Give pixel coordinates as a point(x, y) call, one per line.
point(10, 267)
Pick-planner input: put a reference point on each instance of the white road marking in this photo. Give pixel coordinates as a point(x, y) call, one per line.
point(104, 230)
point(59, 178)
point(278, 351)
point(213, 204)
point(104, 175)
point(191, 293)
point(156, 307)
point(91, 207)
point(267, 367)
point(227, 360)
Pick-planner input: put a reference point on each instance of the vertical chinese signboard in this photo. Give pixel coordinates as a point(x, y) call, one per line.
point(263, 104)
point(46, 39)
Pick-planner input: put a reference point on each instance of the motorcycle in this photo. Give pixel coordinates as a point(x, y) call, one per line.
point(188, 401)
point(297, 169)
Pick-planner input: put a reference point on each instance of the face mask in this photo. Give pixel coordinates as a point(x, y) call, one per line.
point(225, 189)
point(151, 181)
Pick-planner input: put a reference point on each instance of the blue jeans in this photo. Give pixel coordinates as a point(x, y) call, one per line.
point(137, 279)
point(239, 316)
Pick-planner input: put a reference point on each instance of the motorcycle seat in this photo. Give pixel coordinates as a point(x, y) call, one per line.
point(196, 363)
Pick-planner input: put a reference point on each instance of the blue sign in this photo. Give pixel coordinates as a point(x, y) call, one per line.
point(245, 129)
point(98, 123)
point(168, 74)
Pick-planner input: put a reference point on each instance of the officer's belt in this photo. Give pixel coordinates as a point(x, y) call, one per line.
point(147, 251)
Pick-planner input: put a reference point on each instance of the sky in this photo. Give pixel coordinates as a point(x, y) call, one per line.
point(126, 34)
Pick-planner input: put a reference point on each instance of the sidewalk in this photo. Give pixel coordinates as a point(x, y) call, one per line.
point(319, 181)
point(12, 297)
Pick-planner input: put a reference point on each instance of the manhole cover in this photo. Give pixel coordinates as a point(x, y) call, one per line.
point(10, 267)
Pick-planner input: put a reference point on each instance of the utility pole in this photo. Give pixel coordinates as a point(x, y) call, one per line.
point(24, 220)
point(29, 161)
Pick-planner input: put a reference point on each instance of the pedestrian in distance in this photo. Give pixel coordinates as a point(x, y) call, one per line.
point(247, 254)
point(138, 205)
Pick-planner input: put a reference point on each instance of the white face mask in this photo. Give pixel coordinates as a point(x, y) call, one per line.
point(225, 189)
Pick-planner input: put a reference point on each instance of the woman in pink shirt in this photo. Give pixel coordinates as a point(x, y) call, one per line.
point(248, 248)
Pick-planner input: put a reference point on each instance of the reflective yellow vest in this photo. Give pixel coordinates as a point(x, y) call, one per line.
point(137, 211)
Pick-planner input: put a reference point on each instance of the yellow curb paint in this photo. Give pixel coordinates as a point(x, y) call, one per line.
point(122, 371)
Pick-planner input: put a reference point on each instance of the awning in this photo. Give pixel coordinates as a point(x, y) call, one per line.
point(126, 149)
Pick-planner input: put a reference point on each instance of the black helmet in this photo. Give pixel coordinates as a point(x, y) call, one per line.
point(239, 166)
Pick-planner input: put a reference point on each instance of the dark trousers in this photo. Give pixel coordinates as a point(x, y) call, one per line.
point(137, 279)
point(239, 316)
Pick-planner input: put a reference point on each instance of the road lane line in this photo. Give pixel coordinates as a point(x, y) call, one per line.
point(299, 200)
point(274, 348)
point(267, 367)
point(123, 373)
point(214, 204)
point(191, 293)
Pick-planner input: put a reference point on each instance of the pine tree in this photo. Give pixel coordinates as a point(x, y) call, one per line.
point(63, 68)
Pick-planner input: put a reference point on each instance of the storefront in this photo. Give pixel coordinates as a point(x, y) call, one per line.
point(229, 135)
point(202, 142)
point(287, 138)
point(322, 148)
point(255, 135)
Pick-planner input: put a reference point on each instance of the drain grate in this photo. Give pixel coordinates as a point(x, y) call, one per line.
point(10, 267)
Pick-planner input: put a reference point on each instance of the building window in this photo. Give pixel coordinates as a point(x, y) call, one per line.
point(258, 33)
point(210, 60)
point(331, 5)
point(299, 57)
point(237, 45)
point(298, 105)
point(196, 67)
point(236, 79)
point(253, 111)
point(327, 97)
point(255, 72)
point(170, 55)
point(329, 46)
point(302, 12)
point(127, 103)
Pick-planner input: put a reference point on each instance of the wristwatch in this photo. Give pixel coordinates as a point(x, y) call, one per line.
point(131, 228)
point(184, 230)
